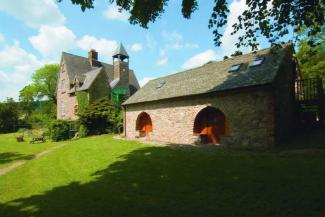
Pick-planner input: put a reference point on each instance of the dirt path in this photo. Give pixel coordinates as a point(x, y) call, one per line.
point(22, 162)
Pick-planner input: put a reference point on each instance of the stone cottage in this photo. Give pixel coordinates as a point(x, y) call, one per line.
point(246, 100)
point(87, 79)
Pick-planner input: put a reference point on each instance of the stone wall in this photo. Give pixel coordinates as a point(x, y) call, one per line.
point(284, 95)
point(64, 97)
point(249, 116)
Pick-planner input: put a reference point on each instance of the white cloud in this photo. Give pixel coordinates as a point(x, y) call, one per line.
point(174, 40)
point(136, 47)
point(51, 41)
point(2, 39)
point(113, 13)
point(145, 80)
point(16, 68)
point(200, 59)
point(34, 13)
point(103, 46)
point(162, 62)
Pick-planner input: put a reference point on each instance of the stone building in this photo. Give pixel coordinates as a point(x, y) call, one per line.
point(246, 100)
point(89, 79)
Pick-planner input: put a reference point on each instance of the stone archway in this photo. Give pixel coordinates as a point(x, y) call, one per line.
point(210, 123)
point(144, 124)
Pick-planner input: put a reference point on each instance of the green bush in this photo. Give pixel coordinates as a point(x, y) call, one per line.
point(8, 116)
point(82, 131)
point(59, 130)
point(101, 117)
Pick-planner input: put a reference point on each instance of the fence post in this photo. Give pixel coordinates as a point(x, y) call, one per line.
point(320, 96)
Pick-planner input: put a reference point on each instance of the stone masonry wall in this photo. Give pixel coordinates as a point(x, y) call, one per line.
point(284, 95)
point(249, 116)
point(63, 97)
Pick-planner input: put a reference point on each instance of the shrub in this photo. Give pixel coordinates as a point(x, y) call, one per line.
point(101, 117)
point(82, 131)
point(59, 130)
point(8, 116)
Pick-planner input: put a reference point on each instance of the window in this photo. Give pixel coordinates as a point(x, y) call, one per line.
point(257, 61)
point(62, 109)
point(62, 83)
point(160, 84)
point(235, 68)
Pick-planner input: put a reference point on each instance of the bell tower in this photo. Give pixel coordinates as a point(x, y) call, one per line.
point(121, 65)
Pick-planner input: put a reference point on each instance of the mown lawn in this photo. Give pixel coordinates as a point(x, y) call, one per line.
point(100, 176)
point(11, 150)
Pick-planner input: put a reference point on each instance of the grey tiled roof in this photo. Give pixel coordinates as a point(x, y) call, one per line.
point(213, 76)
point(90, 77)
point(78, 67)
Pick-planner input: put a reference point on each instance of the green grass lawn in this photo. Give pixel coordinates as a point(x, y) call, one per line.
point(11, 150)
point(100, 176)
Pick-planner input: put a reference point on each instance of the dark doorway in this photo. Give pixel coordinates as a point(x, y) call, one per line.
point(144, 124)
point(210, 123)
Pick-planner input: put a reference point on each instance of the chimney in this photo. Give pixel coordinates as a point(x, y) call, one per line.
point(93, 58)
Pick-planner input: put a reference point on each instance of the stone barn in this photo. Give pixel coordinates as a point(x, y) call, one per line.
point(245, 101)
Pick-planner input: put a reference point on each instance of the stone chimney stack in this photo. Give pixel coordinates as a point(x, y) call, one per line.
point(93, 58)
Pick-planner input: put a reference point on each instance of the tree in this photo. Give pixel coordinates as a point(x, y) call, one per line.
point(38, 99)
point(269, 18)
point(8, 116)
point(311, 57)
point(43, 85)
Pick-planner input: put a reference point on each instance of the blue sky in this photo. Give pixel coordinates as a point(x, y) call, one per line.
point(35, 32)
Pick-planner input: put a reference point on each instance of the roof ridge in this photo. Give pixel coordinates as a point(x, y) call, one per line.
point(63, 52)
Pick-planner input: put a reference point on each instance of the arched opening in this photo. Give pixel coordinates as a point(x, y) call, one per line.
point(144, 124)
point(210, 123)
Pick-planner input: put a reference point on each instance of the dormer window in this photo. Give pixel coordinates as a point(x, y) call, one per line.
point(257, 61)
point(235, 68)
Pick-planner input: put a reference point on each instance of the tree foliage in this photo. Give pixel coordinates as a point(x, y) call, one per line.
point(312, 57)
point(38, 99)
point(43, 85)
point(101, 117)
point(269, 18)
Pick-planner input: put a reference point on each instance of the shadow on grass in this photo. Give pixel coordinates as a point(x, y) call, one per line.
point(7, 157)
point(164, 181)
point(306, 139)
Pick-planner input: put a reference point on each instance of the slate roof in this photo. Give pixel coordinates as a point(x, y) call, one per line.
point(120, 50)
point(90, 78)
point(80, 68)
point(211, 77)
